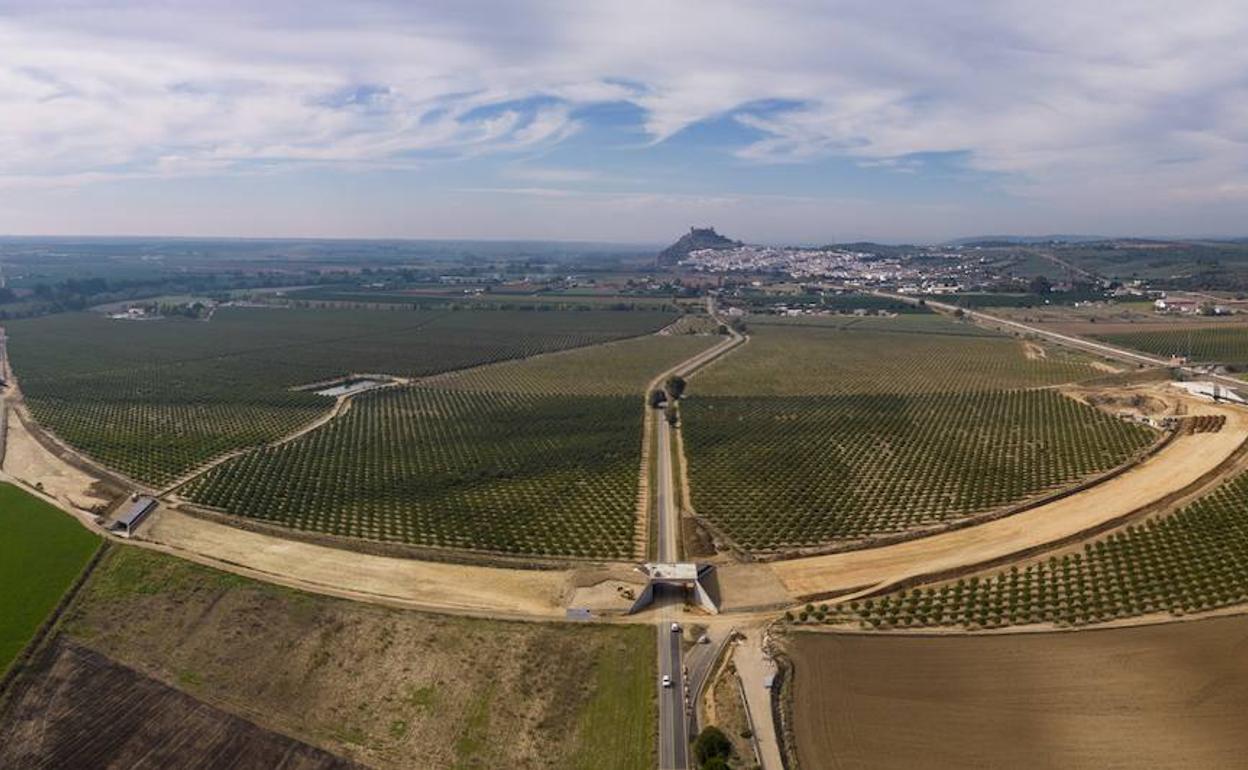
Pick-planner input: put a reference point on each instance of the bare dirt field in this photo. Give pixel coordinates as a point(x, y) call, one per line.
point(385, 687)
point(77, 708)
point(433, 585)
point(1183, 462)
point(1167, 696)
point(27, 460)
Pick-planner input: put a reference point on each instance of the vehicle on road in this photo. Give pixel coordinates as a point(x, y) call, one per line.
point(667, 681)
point(675, 628)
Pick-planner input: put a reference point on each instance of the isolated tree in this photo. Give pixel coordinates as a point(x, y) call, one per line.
point(657, 398)
point(675, 386)
point(710, 744)
point(1039, 285)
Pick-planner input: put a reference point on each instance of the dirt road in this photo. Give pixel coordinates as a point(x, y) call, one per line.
point(407, 582)
point(754, 666)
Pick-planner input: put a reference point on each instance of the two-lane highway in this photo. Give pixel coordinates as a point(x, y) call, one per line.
point(674, 700)
point(673, 723)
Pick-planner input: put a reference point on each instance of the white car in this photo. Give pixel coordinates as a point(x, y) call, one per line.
point(667, 681)
point(675, 628)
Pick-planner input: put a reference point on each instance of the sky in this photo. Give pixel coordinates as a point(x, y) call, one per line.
point(776, 122)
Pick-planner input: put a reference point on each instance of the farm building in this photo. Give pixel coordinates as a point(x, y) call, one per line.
point(1176, 306)
point(133, 515)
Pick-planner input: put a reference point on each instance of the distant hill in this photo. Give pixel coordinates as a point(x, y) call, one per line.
point(697, 238)
point(1023, 240)
point(870, 247)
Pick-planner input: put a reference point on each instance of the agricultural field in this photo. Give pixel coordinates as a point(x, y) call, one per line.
point(496, 298)
point(154, 399)
point(77, 708)
point(809, 436)
point(1168, 696)
point(803, 361)
point(1224, 345)
point(383, 687)
point(511, 473)
point(694, 323)
point(42, 552)
point(783, 472)
point(914, 323)
point(833, 303)
point(1027, 300)
point(536, 458)
point(619, 368)
point(1191, 561)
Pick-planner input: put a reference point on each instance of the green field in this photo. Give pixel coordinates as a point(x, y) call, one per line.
point(536, 457)
point(914, 323)
point(42, 551)
point(782, 472)
point(815, 435)
point(1193, 560)
point(619, 368)
point(443, 297)
point(501, 472)
point(154, 399)
point(835, 303)
point(1226, 345)
point(389, 688)
point(940, 357)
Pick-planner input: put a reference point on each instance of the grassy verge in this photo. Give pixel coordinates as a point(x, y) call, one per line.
point(614, 731)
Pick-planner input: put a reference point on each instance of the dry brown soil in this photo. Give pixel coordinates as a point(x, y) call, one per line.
point(432, 585)
point(26, 459)
point(1166, 696)
point(76, 708)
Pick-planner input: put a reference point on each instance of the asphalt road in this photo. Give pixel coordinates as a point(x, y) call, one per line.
point(673, 723)
point(674, 719)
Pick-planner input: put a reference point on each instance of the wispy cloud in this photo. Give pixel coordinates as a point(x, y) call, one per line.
point(1064, 101)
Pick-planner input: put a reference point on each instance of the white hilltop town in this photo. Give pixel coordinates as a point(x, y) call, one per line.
point(937, 271)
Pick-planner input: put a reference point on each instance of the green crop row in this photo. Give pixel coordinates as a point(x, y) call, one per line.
point(154, 399)
point(810, 360)
point(508, 473)
point(782, 472)
point(1228, 344)
point(1191, 561)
